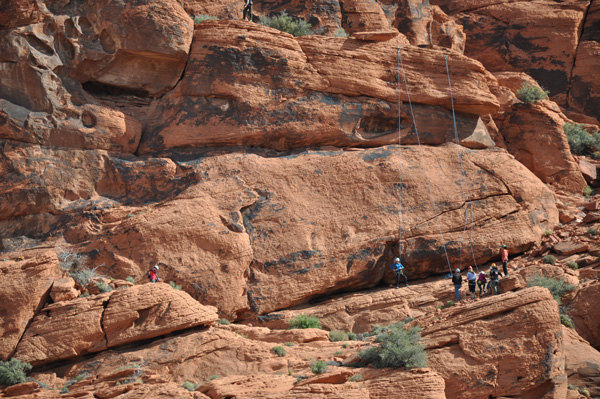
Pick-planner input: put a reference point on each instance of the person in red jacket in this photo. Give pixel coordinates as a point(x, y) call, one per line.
point(504, 256)
point(153, 274)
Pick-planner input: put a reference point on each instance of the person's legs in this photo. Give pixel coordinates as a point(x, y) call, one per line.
point(405, 279)
point(397, 279)
point(457, 291)
point(505, 268)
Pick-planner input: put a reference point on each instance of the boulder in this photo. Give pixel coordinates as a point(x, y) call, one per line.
point(534, 134)
point(590, 172)
point(324, 102)
point(362, 16)
point(567, 248)
point(72, 328)
point(479, 347)
point(582, 362)
point(24, 388)
point(25, 290)
point(63, 289)
point(584, 311)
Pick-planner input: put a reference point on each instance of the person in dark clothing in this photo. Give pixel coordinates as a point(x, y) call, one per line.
point(494, 280)
point(457, 280)
point(398, 270)
point(472, 280)
point(248, 10)
point(481, 280)
point(504, 256)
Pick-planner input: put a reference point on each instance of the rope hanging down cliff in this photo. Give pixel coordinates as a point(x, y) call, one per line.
point(401, 65)
point(463, 179)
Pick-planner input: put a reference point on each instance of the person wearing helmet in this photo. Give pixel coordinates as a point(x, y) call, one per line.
point(471, 279)
point(494, 280)
point(398, 270)
point(481, 280)
point(153, 274)
point(457, 280)
point(504, 256)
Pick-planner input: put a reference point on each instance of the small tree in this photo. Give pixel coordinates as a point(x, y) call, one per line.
point(557, 287)
point(13, 371)
point(279, 351)
point(580, 140)
point(550, 259)
point(337, 335)
point(286, 23)
point(318, 367)
point(304, 321)
point(399, 347)
point(530, 93)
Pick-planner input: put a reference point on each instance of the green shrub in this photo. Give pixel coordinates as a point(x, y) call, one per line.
point(337, 353)
point(304, 321)
point(572, 387)
point(588, 191)
point(103, 287)
point(13, 371)
point(345, 346)
point(557, 287)
point(338, 335)
point(224, 322)
point(567, 321)
point(279, 351)
point(289, 343)
point(547, 233)
point(340, 32)
point(203, 17)
point(286, 23)
point(84, 276)
point(213, 377)
point(530, 93)
point(175, 286)
point(573, 265)
point(550, 259)
point(318, 367)
point(356, 378)
point(448, 304)
point(351, 336)
point(593, 232)
point(580, 140)
point(190, 386)
point(584, 392)
point(130, 279)
point(399, 347)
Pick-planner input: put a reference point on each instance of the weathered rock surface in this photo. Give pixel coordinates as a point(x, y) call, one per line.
point(582, 362)
point(537, 37)
point(584, 312)
point(300, 98)
point(506, 345)
point(63, 289)
point(25, 286)
point(72, 328)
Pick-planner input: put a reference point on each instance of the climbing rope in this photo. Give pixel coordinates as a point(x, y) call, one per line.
point(421, 153)
point(399, 163)
point(463, 179)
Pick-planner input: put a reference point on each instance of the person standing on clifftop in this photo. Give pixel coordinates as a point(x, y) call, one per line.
point(504, 255)
point(398, 270)
point(457, 280)
point(153, 274)
point(248, 10)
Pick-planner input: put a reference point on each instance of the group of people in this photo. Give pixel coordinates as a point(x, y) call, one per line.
point(474, 280)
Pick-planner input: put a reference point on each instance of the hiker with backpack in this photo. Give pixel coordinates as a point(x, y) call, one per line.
point(457, 280)
point(398, 270)
point(494, 280)
point(481, 280)
point(504, 256)
point(153, 274)
point(471, 279)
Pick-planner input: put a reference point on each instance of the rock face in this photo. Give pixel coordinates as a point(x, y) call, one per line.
point(25, 286)
point(537, 37)
point(585, 314)
point(505, 345)
point(305, 100)
point(72, 328)
point(58, 71)
point(582, 362)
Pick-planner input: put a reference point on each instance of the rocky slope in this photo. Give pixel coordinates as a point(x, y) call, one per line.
point(262, 173)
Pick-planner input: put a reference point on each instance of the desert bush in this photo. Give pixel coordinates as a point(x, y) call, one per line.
point(557, 287)
point(338, 335)
point(223, 321)
point(588, 191)
point(356, 378)
point(279, 351)
point(190, 386)
point(573, 265)
point(103, 287)
point(530, 93)
point(567, 321)
point(340, 32)
point(203, 17)
point(84, 276)
point(304, 321)
point(318, 367)
point(550, 259)
point(593, 232)
point(13, 371)
point(399, 347)
point(547, 233)
point(580, 140)
point(130, 279)
point(351, 336)
point(70, 261)
point(174, 285)
point(289, 343)
point(286, 23)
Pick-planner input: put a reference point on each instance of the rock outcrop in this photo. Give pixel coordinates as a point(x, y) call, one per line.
point(582, 362)
point(68, 329)
point(584, 313)
point(24, 289)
